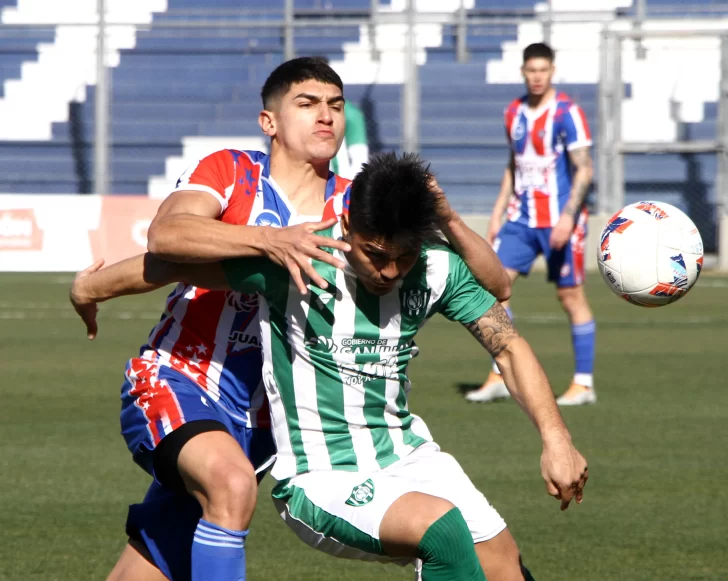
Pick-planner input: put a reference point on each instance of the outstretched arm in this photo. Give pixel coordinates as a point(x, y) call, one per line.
point(472, 248)
point(563, 468)
point(137, 275)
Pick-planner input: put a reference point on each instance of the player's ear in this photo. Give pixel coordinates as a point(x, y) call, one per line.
point(267, 122)
point(345, 225)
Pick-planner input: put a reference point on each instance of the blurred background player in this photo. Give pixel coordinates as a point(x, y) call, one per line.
point(354, 150)
point(543, 190)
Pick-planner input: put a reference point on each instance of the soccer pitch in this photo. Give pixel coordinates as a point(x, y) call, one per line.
point(655, 507)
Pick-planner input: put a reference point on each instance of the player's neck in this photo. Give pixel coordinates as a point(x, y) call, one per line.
point(538, 101)
point(302, 182)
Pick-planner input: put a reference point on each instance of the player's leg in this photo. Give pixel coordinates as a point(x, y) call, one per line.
point(134, 566)
point(566, 269)
point(184, 440)
point(517, 248)
point(500, 558)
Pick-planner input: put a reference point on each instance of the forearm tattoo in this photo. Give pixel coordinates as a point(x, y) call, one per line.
point(494, 330)
point(581, 159)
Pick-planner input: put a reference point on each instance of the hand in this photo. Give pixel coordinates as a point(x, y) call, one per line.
point(445, 213)
point(565, 472)
point(493, 229)
point(561, 233)
point(86, 308)
point(294, 246)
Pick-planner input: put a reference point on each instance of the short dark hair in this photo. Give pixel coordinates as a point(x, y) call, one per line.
point(297, 70)
point(391, 198)
point(538, 50)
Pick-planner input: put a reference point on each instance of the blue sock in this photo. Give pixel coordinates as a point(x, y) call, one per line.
point(218, 554)
point(510, 316)
point(583, 339)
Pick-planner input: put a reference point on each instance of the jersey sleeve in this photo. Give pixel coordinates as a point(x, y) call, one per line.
point(256, 275)
point(463, 299)
point(214, 174)
point(576, 129)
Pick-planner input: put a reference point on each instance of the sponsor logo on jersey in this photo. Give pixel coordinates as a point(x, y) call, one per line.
point(361, 494)
point(268, 218)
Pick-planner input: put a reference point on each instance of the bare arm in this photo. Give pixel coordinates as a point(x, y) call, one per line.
point(472, 248)
point(501, 202)
point(563, 467)
point(583, 174)
point(137, 275)
point(185, 229)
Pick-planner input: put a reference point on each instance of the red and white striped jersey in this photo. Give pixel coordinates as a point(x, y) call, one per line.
point(213, 337)
point(540, 141)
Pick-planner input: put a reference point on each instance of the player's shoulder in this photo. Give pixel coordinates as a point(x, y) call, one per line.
point(513, 106)
point(337, 198)
point(564, 102)
point(437, 256)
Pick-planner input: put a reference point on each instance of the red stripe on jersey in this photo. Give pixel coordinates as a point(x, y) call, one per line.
point(168, 323)
point(510, 114)
point(244, 187)
point(216, 171)
point(542, 209)
point(538, 133)
point(578, 243)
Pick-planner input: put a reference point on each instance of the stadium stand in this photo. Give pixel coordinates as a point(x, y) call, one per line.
point(179, 92)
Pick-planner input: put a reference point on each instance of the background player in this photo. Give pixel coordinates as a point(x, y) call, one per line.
point(543, 189)
point(359, 475)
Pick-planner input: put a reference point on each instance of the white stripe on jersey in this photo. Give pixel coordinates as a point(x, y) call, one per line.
point(219, 354)
point(438, 262)
point(581, 136)
point(354, 395)
point(304, 384)
point(178, 312)
point(285, 460)
point(390, 320)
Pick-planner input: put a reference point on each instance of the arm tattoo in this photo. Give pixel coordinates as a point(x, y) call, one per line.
point(582, 160)
point(494, 330)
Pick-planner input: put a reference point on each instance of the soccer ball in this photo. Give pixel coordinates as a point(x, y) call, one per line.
point(650, 254)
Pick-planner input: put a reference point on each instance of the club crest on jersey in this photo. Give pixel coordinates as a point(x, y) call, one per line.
point(519, 130)
point(361, 494)
point(415, 300)
point(268, 218)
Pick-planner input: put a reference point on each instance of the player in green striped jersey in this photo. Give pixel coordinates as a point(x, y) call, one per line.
point(359, 475)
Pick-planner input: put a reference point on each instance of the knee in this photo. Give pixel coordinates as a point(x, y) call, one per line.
point(230, 482)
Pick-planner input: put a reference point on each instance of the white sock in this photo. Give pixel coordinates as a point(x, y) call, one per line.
point(495, 368)
point(585, 379)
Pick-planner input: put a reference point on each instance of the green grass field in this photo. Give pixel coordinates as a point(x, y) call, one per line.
point(656, 506)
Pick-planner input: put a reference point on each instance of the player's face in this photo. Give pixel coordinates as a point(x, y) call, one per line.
point(308, 122)
point(379, 264)
point(537, 73)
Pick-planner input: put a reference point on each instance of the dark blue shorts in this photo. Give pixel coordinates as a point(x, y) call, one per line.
point(518, 246)
point(156, 401)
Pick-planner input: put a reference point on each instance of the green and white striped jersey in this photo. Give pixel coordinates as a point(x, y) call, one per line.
point(335, 360)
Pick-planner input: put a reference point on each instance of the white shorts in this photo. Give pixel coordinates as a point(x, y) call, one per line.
point(340, 512)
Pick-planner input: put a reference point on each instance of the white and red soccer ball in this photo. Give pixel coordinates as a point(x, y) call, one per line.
point(650, 254)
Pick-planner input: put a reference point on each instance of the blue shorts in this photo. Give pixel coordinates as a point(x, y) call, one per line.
point(165, 522)
point(518, 246)
point(157, 400)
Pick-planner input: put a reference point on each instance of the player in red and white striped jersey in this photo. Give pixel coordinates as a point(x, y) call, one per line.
point(543, 190)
